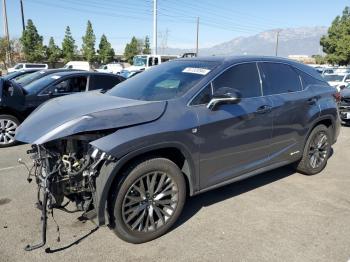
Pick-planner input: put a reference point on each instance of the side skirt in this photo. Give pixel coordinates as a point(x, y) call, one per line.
point(245, 176)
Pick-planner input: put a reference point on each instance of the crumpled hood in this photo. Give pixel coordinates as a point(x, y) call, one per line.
point(90, 111)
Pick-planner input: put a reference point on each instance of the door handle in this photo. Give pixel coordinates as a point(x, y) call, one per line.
point(263, 109)
point(312, 100)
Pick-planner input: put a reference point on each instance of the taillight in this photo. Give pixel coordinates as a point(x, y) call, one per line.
point(337, 96)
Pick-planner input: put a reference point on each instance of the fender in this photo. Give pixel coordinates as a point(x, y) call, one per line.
point(110, 171)
point(315, 122)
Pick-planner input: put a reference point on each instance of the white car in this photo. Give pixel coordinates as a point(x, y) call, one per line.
point(113, 68)
point(78, 65)
point(337, 80)
point(24, 66)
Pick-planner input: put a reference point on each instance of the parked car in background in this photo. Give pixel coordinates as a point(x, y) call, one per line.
point(78, 65)
point(17, 101)
point(129, 157)
point(29, 78)
point(143, 62)
point(17, 75)
point(113, 68)
point(128, 74)
point(25, 66)
point(344, 105)
point(337, 80)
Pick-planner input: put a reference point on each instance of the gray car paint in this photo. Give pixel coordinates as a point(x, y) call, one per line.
point(219, 146)
point(66, 116)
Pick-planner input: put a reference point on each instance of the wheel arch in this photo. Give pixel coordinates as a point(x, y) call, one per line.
point(327, 120)
point(9, 111)
point(110, 173)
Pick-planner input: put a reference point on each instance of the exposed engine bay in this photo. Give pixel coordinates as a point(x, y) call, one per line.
point(65, 169)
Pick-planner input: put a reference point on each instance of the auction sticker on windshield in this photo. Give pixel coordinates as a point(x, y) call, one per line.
point(196, 70)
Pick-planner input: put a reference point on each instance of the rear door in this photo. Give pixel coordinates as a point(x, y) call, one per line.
point(292, 109)
point(235, 138)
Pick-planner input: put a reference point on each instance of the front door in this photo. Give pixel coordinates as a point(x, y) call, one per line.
point(235, 138)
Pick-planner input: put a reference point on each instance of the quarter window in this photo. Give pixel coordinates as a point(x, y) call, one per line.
point(309, 80)
point(279, 78)
point(243, 77)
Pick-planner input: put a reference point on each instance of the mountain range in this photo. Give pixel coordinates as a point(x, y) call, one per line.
point(292, 41)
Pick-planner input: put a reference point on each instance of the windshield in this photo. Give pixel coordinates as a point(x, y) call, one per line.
point(333, 78)
point(19, 66)
point(139, 60)
point(26, 79)
point(163, 82)
point(41, 83)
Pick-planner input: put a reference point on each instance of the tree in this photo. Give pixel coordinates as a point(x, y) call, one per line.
point(336, 44)
point(105, 51)
point(53, 52)
point(88, 47)
point(131, 50)
point(68, 46)
point(32, 43)
point(4, 44)
point(147, 46)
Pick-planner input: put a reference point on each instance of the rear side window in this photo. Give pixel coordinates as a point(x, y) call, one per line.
point(308, 80)
point(35, 66)
point(103, 82)
point(279, 78)
point(243, 77)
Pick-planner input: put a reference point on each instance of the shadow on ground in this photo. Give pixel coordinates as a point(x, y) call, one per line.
point(194, 204)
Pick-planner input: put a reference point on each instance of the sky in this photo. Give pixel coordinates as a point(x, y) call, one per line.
point(119, 20)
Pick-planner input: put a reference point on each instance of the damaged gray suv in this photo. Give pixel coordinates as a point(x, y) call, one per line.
point(130, 157)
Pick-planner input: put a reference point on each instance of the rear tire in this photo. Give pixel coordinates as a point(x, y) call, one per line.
point(8, 126)
point(148, 200)
point(316, 151)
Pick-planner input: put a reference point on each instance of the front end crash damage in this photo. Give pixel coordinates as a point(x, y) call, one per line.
point(66, 165)
point(65, 171)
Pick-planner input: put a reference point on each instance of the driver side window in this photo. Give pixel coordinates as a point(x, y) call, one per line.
point(243, 77)
point(67, 86)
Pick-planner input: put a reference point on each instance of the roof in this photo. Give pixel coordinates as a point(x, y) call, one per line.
point(228, 60)
point(81, 72)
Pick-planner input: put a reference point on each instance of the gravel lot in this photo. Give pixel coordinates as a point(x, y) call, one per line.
point(276, 216)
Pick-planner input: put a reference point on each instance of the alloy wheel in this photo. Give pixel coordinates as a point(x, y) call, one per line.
point(7, 131)
point(150, 202)
point(318, 150)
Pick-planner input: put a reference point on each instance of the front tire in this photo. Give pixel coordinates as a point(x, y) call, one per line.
point(316, 151)
point(148, 200)
point(8, 126)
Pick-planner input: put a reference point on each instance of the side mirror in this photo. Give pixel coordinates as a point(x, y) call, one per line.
point(223, 96)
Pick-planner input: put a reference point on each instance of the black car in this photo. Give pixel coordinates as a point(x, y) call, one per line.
point(29, 78)
point(17, 101)
point(17, 75)
point(130, 157)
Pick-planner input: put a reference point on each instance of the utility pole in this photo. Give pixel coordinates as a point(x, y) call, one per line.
point(22, 12)
point(277, 39)
point(154, 49)
point(6, 31)
point(197, 38)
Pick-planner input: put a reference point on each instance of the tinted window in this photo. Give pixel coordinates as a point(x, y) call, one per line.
point(165, 81)
point(309, 80)
point(103, 82)
point(203, 97)
point(69, 85)
point(35, 66)
point(279, 78)
point(244, 78)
